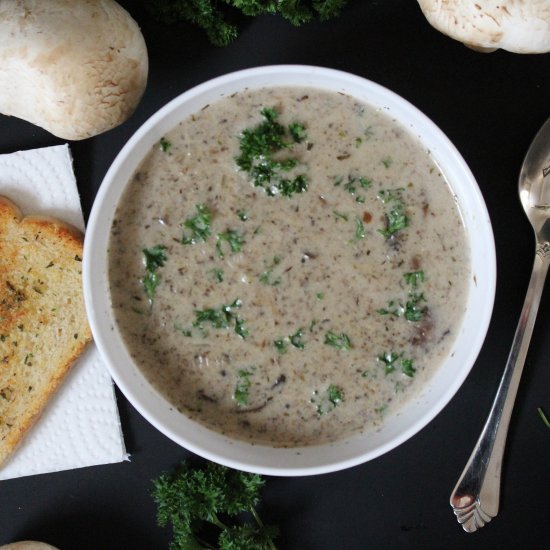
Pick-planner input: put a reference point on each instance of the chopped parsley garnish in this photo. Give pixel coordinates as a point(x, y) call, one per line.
point(199, 225)
point(414, 312)
point(359, 228)
point(413, 278)
point(396, 218)
point(155, 257)
point(218, 274)
point(340, 215)
point(222, 317)
point(392, 309)
point(165, 145)
point(280, 345)
point(242, 388)
point(407, 367)
point(233, 238)
point(185, 331)
point(352, 184)
point(266, 276)
point(392, 360)
point(243, 216)
point(240, 328)
point(335, 394)
point(287, 187)
point(339, 341)
point(296, 339)
point(328, 400)
point(387, 161)
point(257, 148)
point(297, 131)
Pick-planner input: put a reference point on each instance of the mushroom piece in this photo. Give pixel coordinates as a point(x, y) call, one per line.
point(520, 26)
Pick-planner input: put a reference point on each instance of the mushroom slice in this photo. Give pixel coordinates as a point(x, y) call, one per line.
point(520, 26)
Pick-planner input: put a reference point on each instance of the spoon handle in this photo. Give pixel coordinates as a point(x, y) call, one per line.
point(475, 499)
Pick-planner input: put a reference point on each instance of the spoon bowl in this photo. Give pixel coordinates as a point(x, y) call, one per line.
point(534, 182)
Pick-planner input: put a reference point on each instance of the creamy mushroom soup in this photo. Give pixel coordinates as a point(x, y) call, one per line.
point(288, 266)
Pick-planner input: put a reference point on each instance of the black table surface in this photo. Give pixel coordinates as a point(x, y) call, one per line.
point(490, 106)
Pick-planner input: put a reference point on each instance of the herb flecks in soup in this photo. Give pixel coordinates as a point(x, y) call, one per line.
point(291, 269)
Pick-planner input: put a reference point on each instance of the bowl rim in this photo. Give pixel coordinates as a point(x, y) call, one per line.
point(239, 454)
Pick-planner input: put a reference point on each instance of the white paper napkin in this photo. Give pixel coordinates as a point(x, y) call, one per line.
point(80, 426)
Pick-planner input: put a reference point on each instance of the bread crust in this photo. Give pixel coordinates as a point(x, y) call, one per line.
point(43, 323)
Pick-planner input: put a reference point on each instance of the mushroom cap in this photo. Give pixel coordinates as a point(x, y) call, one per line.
point(28, 545)
point(520, 26)
point(76, 69)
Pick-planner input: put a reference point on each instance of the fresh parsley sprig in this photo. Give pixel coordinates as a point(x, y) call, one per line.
point(207, 15)
point(204, 506)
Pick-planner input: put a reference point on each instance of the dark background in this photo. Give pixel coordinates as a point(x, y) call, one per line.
point(490, 106)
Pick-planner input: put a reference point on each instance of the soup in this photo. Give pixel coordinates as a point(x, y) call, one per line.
point(288, 266)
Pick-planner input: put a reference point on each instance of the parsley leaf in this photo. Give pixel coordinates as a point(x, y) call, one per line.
point(392, 359)
point(296, 339)
point(328, 400)
point(257, 147)
point(199, 225)
point(339, 341)
point(297, 131)
point(207, 15)
point(205, 506)
point(222, 317)
point(413, 278)
point(165, 145)
point(155, 257)
point(414, 312)
point(396, 217)
point(266, 276)
point(280, 345)
point(231, 237)
point(240, 395)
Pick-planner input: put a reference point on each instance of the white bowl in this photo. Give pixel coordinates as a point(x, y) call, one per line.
point(305, 460)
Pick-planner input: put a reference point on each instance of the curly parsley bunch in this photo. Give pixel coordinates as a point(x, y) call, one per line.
point(208, 506)
point(209, 14)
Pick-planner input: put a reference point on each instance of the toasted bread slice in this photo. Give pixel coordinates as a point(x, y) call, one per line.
point(43, 323)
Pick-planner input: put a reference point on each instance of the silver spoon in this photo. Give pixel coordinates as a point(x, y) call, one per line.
point(475, 499)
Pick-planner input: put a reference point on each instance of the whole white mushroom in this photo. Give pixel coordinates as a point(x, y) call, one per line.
point(520, 26)
point(74, 67)
point(28, 545)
